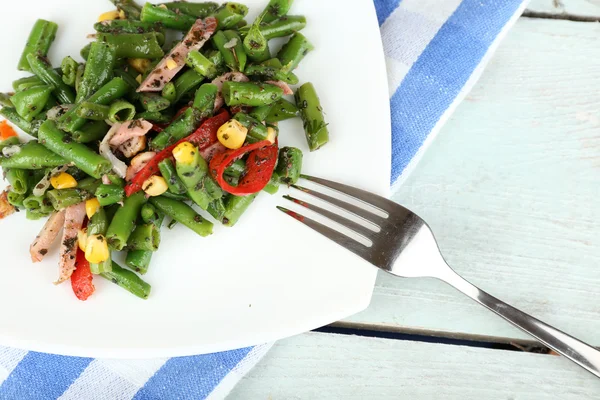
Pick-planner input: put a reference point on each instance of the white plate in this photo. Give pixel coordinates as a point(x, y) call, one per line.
point(267, 278)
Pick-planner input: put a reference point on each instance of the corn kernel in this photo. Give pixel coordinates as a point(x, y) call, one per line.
point(109, 16)
point(141, 65)
point(82, 238)
point(96, 249)
point(164, 6)
point(232, 134)
point(271, 134)
point(63, 181)
point(185, 153)
point(91, 207)
point(122, 14)
point(171, 64)
point(155, 186)
point(139, 78)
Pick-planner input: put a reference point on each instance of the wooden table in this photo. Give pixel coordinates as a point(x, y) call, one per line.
point(511, 188)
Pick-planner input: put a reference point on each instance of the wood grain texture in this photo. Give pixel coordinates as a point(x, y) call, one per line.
point(510, 188)
point(566, 8)
point(326, 366)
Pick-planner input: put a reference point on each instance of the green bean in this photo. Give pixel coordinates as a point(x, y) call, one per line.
point(158, 117)
point(256, 129)
point(89, 184)
point(231, 47)
point(215, 57)
point(187, 82)
point(183, 214)
point(176, 196)
point(98, 69)
point(32, 202)
point(33, 156)
point(168, 171)
point(139, 260)
point(150, 214)
point(11, 114)
point(63, 198)
point(204, 99)
point(121, 111)
point(229, 14)
point(27, 82)
point(39, 41)
point(69, 70)
point(273, 185)
point(11, 141)
point(260, 113)
point(276, 9)
point(183, 126)
point(121, 26)
point(115, 179)
point(82, 156)
point(169, 93)
point(192, 175)
point(256, 45)
point(98, 224)
point(212, 188)
point(169, 18)
point(217, 209)
point(129, 7)
point(34, 215)
point(271, 73)
point(128, 280)
point(5, 100)
point(294, 51)
point(144, 237)
point(281, 111)
point(90, 132)
point(198, 10)
point(85, 52)
point(123, 222)
point(235, 206)
point(134, 45)
point(17, 178)
point(311, 112)
point(201, 64)
point(250, 94)
point(236, 169)
point(108, 93)
point(93, 111)
point(109, 194)
point(79, 76)
point(289, 165)
point(15, 199)
point(153, 102)
point(283, 26)
point(30, 102)
point(76, 173)
point(42, 68)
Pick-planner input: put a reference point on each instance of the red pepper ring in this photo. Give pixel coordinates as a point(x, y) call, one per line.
point(203, 137)
point(259, 167)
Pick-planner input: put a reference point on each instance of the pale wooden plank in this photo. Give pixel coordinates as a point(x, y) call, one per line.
point(511, 188)
point(326, 366)
point(566, 8)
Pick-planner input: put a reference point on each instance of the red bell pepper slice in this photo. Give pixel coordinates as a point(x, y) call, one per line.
point(203, 137)
point(259, 167)
point(81, 279)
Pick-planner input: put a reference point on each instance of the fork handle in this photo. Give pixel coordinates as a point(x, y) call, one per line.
point(577, 351)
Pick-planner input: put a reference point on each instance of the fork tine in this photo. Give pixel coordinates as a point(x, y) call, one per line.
point(367, 215)
point(357, 228)
point(368, 198)
point(347, 242)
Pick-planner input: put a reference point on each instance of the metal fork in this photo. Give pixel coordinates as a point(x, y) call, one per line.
point(396, 242)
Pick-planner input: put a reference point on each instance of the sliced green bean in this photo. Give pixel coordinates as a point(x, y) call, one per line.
point(93, 111)
point(123, 222)
point(231, 47)
point(217, 209)
point(289, 165)
point(261, 113)
point(39, 41)
point(134, 45)
point(273, 185)
point(198, 10)
point(201, 64)
point(256, 129)
point(121, 26)
point(159, 117)
point(187, 82)
point(256, 45)
point(153, 102)
point(139, 260)
point(183, 126)
point(27, 82)
point(128, 280)
point(11, 141)
point(168, 171)
point(33, 156)
point(31, 102)
point(311, 112)
point(250, 94)
point(89, 184)
point(169, 18)
point(276, 9)
point(144, 237)
point(11, 114)
point(271, 73)
point(98, 69)
point(281, 111)
point(18, 180)
point(15, 199)
point(129, 7)
point(109, 194)
point(283, 26)
point(120, 111)
point(98, 224)
point(235, 206)
point(69, 70)
point(183, 214)
point(230, 14)
point(204, 99)
point(294, 51)
point(63, 198)
point(90, 132)
point(42, 68)
point(169, 93)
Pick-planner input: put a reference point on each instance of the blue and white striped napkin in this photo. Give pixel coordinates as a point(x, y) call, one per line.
point(435, 51)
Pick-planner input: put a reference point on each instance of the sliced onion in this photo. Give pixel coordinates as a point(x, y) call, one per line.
point(43, 185)
point(232, 43)
point(11, 150)
point(119, 166)
point(55, 112)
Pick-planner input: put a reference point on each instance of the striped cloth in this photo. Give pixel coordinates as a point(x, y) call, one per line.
point(435, 50)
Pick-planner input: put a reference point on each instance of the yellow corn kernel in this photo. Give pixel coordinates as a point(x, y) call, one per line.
point(139, 78)
point(271, 134)
point(141, 65)
point(164, 6)
point(82, 238)
point(109, 16)
point(91, 207)
point(185, 153)
point(155, 186)
point(122, 14)
point(171, 64)
point(232, 134)
point(96, 249)
point(63, 181)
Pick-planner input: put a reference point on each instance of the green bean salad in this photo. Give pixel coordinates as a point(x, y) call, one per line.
point(138, 131)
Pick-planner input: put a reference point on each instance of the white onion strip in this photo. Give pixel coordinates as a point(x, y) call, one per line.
point(43, 185)
point(118, 166)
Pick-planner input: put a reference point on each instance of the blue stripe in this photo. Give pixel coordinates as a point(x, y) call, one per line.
point(42, 376)
point(440, 73)
point(190, 377)
point(384, 8)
